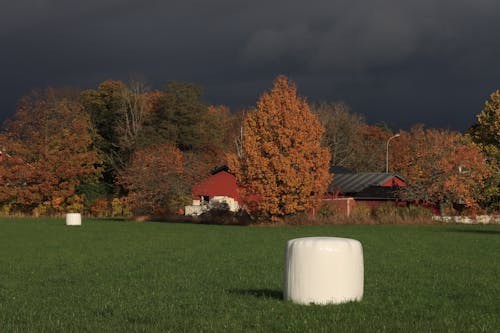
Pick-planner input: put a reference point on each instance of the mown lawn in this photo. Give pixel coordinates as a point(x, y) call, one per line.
point(159, 277)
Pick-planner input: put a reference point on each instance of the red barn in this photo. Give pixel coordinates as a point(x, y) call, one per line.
point(219, 187)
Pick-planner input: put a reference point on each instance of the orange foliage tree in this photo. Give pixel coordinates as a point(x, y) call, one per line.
point(154, 180)
point(371, 152)
point(49, 140)
point(10, 168)
point(441, 167)
point(281, 162)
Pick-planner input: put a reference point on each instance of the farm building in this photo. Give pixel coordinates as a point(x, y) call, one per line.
point(347, 189)
point(219, 188)
point(371, 188)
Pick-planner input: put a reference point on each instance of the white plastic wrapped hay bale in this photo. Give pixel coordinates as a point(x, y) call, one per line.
point(74, 219)
point(323, 270)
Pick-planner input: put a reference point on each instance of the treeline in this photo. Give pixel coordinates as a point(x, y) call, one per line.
point(123, 149)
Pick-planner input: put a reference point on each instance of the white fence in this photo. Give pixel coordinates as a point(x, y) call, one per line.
point(479, 219)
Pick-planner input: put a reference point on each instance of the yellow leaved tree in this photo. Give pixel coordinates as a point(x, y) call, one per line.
point(281, 165)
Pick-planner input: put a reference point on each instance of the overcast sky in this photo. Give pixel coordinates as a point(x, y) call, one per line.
point(399, 61)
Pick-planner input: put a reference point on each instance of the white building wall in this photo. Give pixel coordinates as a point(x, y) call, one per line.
point(199, 207)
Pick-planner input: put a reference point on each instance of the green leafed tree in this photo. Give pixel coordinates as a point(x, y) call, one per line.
point(486, 134)
point(118, 113)
point(178, 116)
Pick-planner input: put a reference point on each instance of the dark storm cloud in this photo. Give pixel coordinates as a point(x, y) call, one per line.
point(400, 61)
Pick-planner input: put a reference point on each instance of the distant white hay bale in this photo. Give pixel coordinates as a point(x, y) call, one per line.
point(74, 219)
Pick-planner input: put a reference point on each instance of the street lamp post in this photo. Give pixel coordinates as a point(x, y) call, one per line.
point(387, 152)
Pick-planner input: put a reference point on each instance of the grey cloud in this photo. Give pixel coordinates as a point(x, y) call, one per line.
point(374, 54)
point(371, 34)
point(270, 45)
point(364, 40)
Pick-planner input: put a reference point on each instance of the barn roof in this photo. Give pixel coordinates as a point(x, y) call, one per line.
point(221, 183)
point(356, 182)
point(219, 169)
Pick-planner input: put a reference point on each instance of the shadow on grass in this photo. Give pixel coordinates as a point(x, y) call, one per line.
point(259, 293)
point(110, 219)
point(475, 231)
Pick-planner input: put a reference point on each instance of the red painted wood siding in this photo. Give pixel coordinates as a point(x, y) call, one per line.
point(395, 181)
point(345, 205)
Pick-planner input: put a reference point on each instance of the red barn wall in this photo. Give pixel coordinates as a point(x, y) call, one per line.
point(395, 181)
point(373, 204)
point(345, 205)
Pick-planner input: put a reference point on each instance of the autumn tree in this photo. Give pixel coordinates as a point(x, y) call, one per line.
point(343, 132)
point(282, 163)
point(49, 140)
point(441, 167)
point(221, 127)
point(10, 168)
point(131, 118)
point(154, 180)
point(352, 142)
point(486, 134)
point(218, 125)
point(201, 131)
point(370, 156)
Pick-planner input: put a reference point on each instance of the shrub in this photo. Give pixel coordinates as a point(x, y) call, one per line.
point(391, 214)
point(93, 194)
point(361, 214)
point(302, 219)
point(5, 209)
point(43, 209)
point(387, 210)
point(328, 211)
point(120, 207)
point(418, 212)
point(220, 214)
point(101, 208)
point(448, 209)
point(75, 204)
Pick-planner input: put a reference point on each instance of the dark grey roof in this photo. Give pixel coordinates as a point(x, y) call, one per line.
point(219, 169)
point(335, 169)
point(356, 182)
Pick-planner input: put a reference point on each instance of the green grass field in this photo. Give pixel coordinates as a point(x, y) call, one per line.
point(159, 277)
